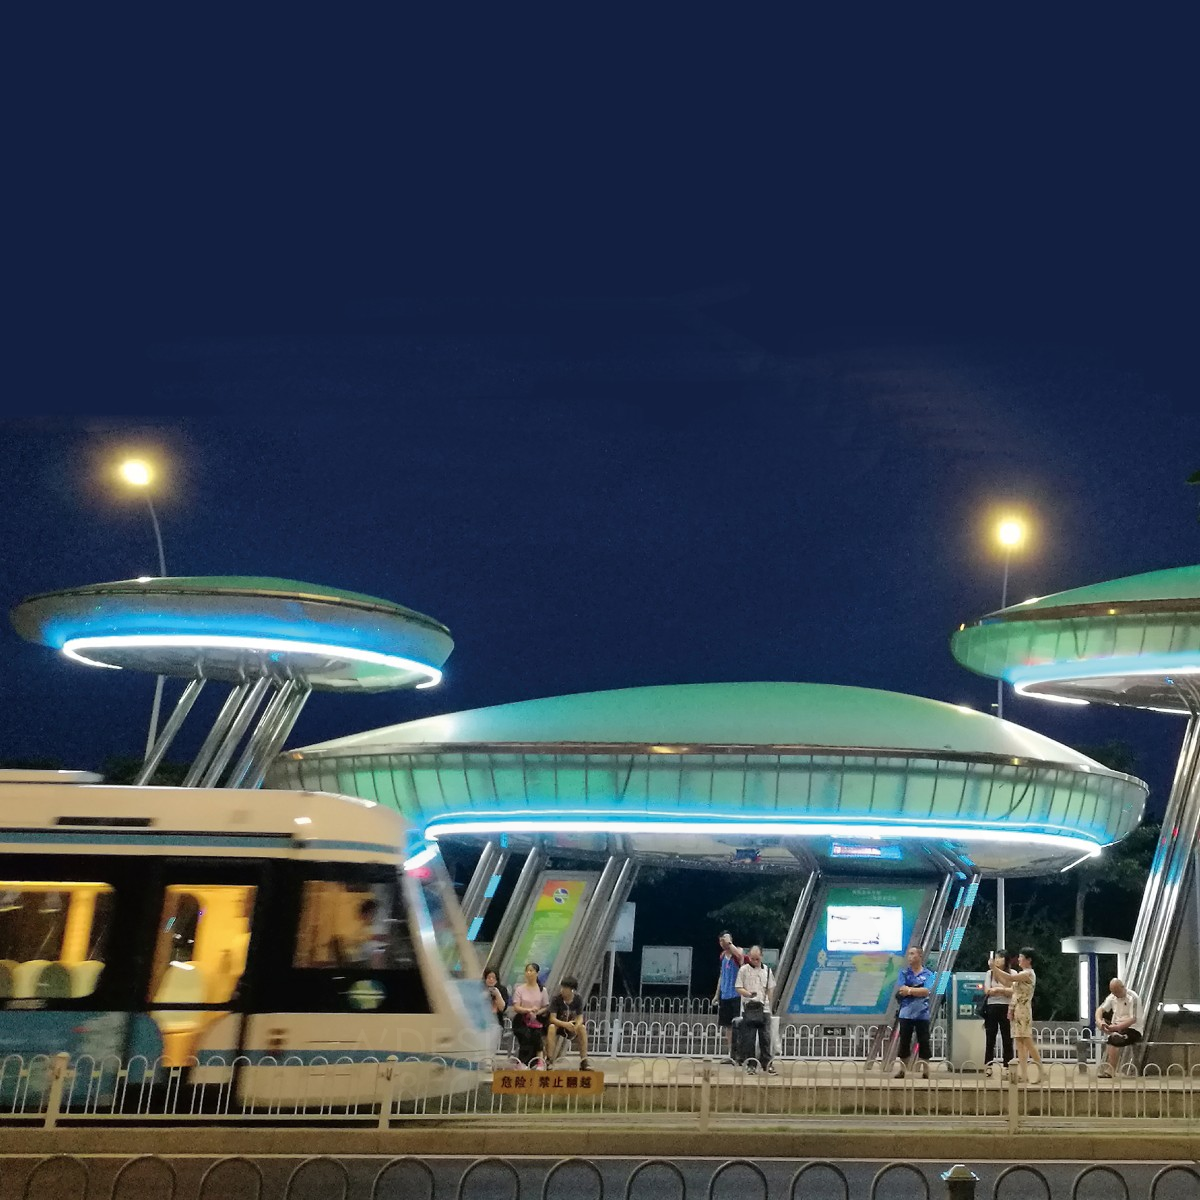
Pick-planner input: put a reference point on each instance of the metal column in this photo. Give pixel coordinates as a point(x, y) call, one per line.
point(507, 933)
point(485, 879)
point(584, 939)
point(588, 968)
point(216, 735)
point(273, 742)
point(238, 727)
point(951, 941)
point(791, 943)
point(163, 742)
point(1161, 914)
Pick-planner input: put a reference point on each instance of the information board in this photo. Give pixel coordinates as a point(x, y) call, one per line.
point(670, 966)
point(855, 949)
point(622, 939)
point(549, 921)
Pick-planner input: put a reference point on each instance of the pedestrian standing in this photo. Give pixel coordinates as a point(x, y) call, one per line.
point(1020, 1013)
point(915, 991)
point(729, 1003)
point(999, 995)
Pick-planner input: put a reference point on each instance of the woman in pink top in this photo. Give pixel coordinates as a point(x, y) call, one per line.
point(531, 1007)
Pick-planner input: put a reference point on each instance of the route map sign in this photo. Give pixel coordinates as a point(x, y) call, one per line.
point(856, 949)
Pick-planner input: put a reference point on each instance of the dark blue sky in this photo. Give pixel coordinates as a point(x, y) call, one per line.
point(686, 357)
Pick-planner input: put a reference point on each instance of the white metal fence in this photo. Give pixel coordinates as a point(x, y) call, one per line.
point(691, 1092)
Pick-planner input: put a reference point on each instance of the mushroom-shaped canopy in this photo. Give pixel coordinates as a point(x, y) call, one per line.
point(696, 771)
point(1132, 641)
point(234, 627)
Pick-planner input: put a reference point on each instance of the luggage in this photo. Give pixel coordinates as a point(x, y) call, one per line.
point(745, 1041)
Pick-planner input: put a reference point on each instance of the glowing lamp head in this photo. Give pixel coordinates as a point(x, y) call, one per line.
point(136, 472)
point(1010, 533)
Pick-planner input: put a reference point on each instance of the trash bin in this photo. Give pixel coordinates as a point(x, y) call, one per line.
point(964, 1030)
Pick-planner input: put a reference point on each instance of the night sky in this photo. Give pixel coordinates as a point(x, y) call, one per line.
point(662, 361)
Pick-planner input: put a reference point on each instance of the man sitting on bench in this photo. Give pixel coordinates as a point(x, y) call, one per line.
point(1120, 1017)
point(566, 1023)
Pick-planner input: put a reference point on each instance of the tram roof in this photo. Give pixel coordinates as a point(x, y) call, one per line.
point(1133, 642)
point(81, 818)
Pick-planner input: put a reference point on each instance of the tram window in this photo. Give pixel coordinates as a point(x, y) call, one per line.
point(203, 936)
point(434, 884)
point(52, 938)
point(346, 925)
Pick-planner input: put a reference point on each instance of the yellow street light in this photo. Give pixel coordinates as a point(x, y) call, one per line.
point(136, 472)
point(1010, 533)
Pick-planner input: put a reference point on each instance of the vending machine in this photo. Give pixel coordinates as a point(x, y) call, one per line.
point(964, 1029)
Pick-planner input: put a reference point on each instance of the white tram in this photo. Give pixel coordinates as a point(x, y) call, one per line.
point(275, 942)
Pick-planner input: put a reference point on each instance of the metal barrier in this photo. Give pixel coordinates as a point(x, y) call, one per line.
point(152, 1177)
point(660, 1090)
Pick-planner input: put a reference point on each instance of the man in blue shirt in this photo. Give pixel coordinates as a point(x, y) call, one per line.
point(729, 1002)
point(915, 990)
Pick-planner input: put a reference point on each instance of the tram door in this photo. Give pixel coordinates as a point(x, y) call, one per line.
point(202, 936)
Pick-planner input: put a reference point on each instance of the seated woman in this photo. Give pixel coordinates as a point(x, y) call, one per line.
point(497, 994)
point(531, 1009)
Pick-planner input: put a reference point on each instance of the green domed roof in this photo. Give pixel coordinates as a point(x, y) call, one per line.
point(743, 714)
point(240, 585)
point(1133, 641)
point(1174, 583)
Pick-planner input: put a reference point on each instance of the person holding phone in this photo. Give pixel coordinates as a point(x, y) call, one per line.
point(497, 994)
point(998, 996)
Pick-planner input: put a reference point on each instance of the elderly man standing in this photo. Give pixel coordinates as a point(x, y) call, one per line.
point(1120, 1018)
point(756, 986)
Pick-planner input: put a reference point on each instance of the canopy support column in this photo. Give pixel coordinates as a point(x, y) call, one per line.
point(163, 742)
point(791, 943)
point(485, 879)
point(216, 735)
point(274, 739)
point(237, 728)
point(1163, 914)
point(508, 931)
point(583, 941)
point(591, 955)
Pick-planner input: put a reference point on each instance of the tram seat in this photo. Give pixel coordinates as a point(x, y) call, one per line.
point(183, 983)
point(54, 983)
point(26, 976)
point(84, 976)
point(7, 968)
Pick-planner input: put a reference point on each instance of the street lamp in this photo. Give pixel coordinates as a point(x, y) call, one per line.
point(139, 474)
point(1010, 533)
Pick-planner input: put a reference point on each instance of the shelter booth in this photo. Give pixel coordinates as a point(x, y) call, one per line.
point(891, 808)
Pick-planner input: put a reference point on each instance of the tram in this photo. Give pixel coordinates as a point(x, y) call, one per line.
point(267, 941)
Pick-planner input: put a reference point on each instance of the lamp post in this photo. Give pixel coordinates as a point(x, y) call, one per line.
point(1010, 533)
point(138, 473)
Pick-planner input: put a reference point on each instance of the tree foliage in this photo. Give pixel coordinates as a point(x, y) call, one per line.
point(761, 916)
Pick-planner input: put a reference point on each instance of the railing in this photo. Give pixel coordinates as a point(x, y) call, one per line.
point(647, 1035)
point(683, 1092)
point(154, 1177)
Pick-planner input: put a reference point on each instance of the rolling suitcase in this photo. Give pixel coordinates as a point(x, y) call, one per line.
point(745, 1041)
